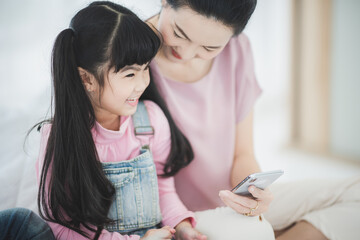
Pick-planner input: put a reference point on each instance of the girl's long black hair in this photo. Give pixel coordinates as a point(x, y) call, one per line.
point(73, 190)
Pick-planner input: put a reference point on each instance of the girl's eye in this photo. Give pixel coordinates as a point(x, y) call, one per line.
point(176, 35)
point(130, 75)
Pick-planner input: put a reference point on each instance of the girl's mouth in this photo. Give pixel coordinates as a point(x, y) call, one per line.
point(132, 101)
point(175, 54)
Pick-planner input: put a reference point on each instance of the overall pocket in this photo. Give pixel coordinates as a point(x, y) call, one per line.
point(122, 179)
point(149, 196)
point(136, 202)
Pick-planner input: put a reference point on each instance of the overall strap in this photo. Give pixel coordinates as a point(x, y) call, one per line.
point(142, 125)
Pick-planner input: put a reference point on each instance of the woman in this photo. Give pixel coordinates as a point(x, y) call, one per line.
point(205, 72)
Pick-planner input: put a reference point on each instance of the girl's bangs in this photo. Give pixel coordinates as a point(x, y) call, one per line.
point(135, 43)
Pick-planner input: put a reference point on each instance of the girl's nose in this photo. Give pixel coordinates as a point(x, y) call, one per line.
point(142, 81)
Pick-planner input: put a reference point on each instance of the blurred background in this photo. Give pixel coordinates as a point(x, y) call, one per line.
point(307, 59)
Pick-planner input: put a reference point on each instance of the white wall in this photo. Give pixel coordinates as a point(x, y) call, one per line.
point(345, 81)
point(269, 30)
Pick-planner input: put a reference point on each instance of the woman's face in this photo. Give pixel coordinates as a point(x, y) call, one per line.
point(189, 35)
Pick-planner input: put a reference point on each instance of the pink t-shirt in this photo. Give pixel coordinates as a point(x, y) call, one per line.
point(114, 146)
point(207, 112)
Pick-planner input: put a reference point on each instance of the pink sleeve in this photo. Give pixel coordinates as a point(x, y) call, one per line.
point(172, 209)
point(61, 232)
point(247, 87)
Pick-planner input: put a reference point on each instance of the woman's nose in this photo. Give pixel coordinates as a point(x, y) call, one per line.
point(188, 51)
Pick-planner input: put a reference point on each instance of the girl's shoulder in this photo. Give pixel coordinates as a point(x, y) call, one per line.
point(45, 129)
point(159, 123)
point(156, 115)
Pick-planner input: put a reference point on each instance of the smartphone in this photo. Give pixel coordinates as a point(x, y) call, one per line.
point(260, 180)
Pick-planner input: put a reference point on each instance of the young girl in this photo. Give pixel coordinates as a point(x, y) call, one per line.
point(98, 178)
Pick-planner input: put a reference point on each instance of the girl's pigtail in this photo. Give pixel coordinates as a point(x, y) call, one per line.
point(77, 182)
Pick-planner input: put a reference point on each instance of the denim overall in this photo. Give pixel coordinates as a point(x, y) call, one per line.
point(135, 208)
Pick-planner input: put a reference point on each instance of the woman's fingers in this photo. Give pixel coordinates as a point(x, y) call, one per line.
point(233, 203)
point(241, 200)
point(264, 198)
point(246, 205)
point(262, 195)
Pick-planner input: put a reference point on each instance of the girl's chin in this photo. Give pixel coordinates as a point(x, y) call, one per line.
point(130, 110)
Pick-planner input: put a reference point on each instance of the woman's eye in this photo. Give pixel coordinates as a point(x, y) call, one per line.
point(209, 50)
point(176, 35)
point(130, 75)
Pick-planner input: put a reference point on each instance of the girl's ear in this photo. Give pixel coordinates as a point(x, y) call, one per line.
point(87, 79)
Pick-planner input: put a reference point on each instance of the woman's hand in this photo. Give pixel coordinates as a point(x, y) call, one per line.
point(185, 231)
point(246, 205)
point(164, 233)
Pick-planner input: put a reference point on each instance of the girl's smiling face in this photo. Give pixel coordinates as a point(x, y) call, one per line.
point(188, 35)
point(121, 92)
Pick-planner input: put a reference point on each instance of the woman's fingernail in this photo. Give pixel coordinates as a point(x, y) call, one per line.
point(251, 189)
point(223, 193)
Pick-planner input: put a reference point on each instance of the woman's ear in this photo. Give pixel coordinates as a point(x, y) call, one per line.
point(163, 3)
point(87, 79)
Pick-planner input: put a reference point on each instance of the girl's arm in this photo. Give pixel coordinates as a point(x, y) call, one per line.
point(173, 210)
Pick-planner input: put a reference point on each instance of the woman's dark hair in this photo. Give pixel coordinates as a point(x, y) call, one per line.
point(74, 191)
point(233, 13)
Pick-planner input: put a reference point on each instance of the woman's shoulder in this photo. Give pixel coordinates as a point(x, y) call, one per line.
point(240, 41)
point(237, 53)
point(238, 47)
